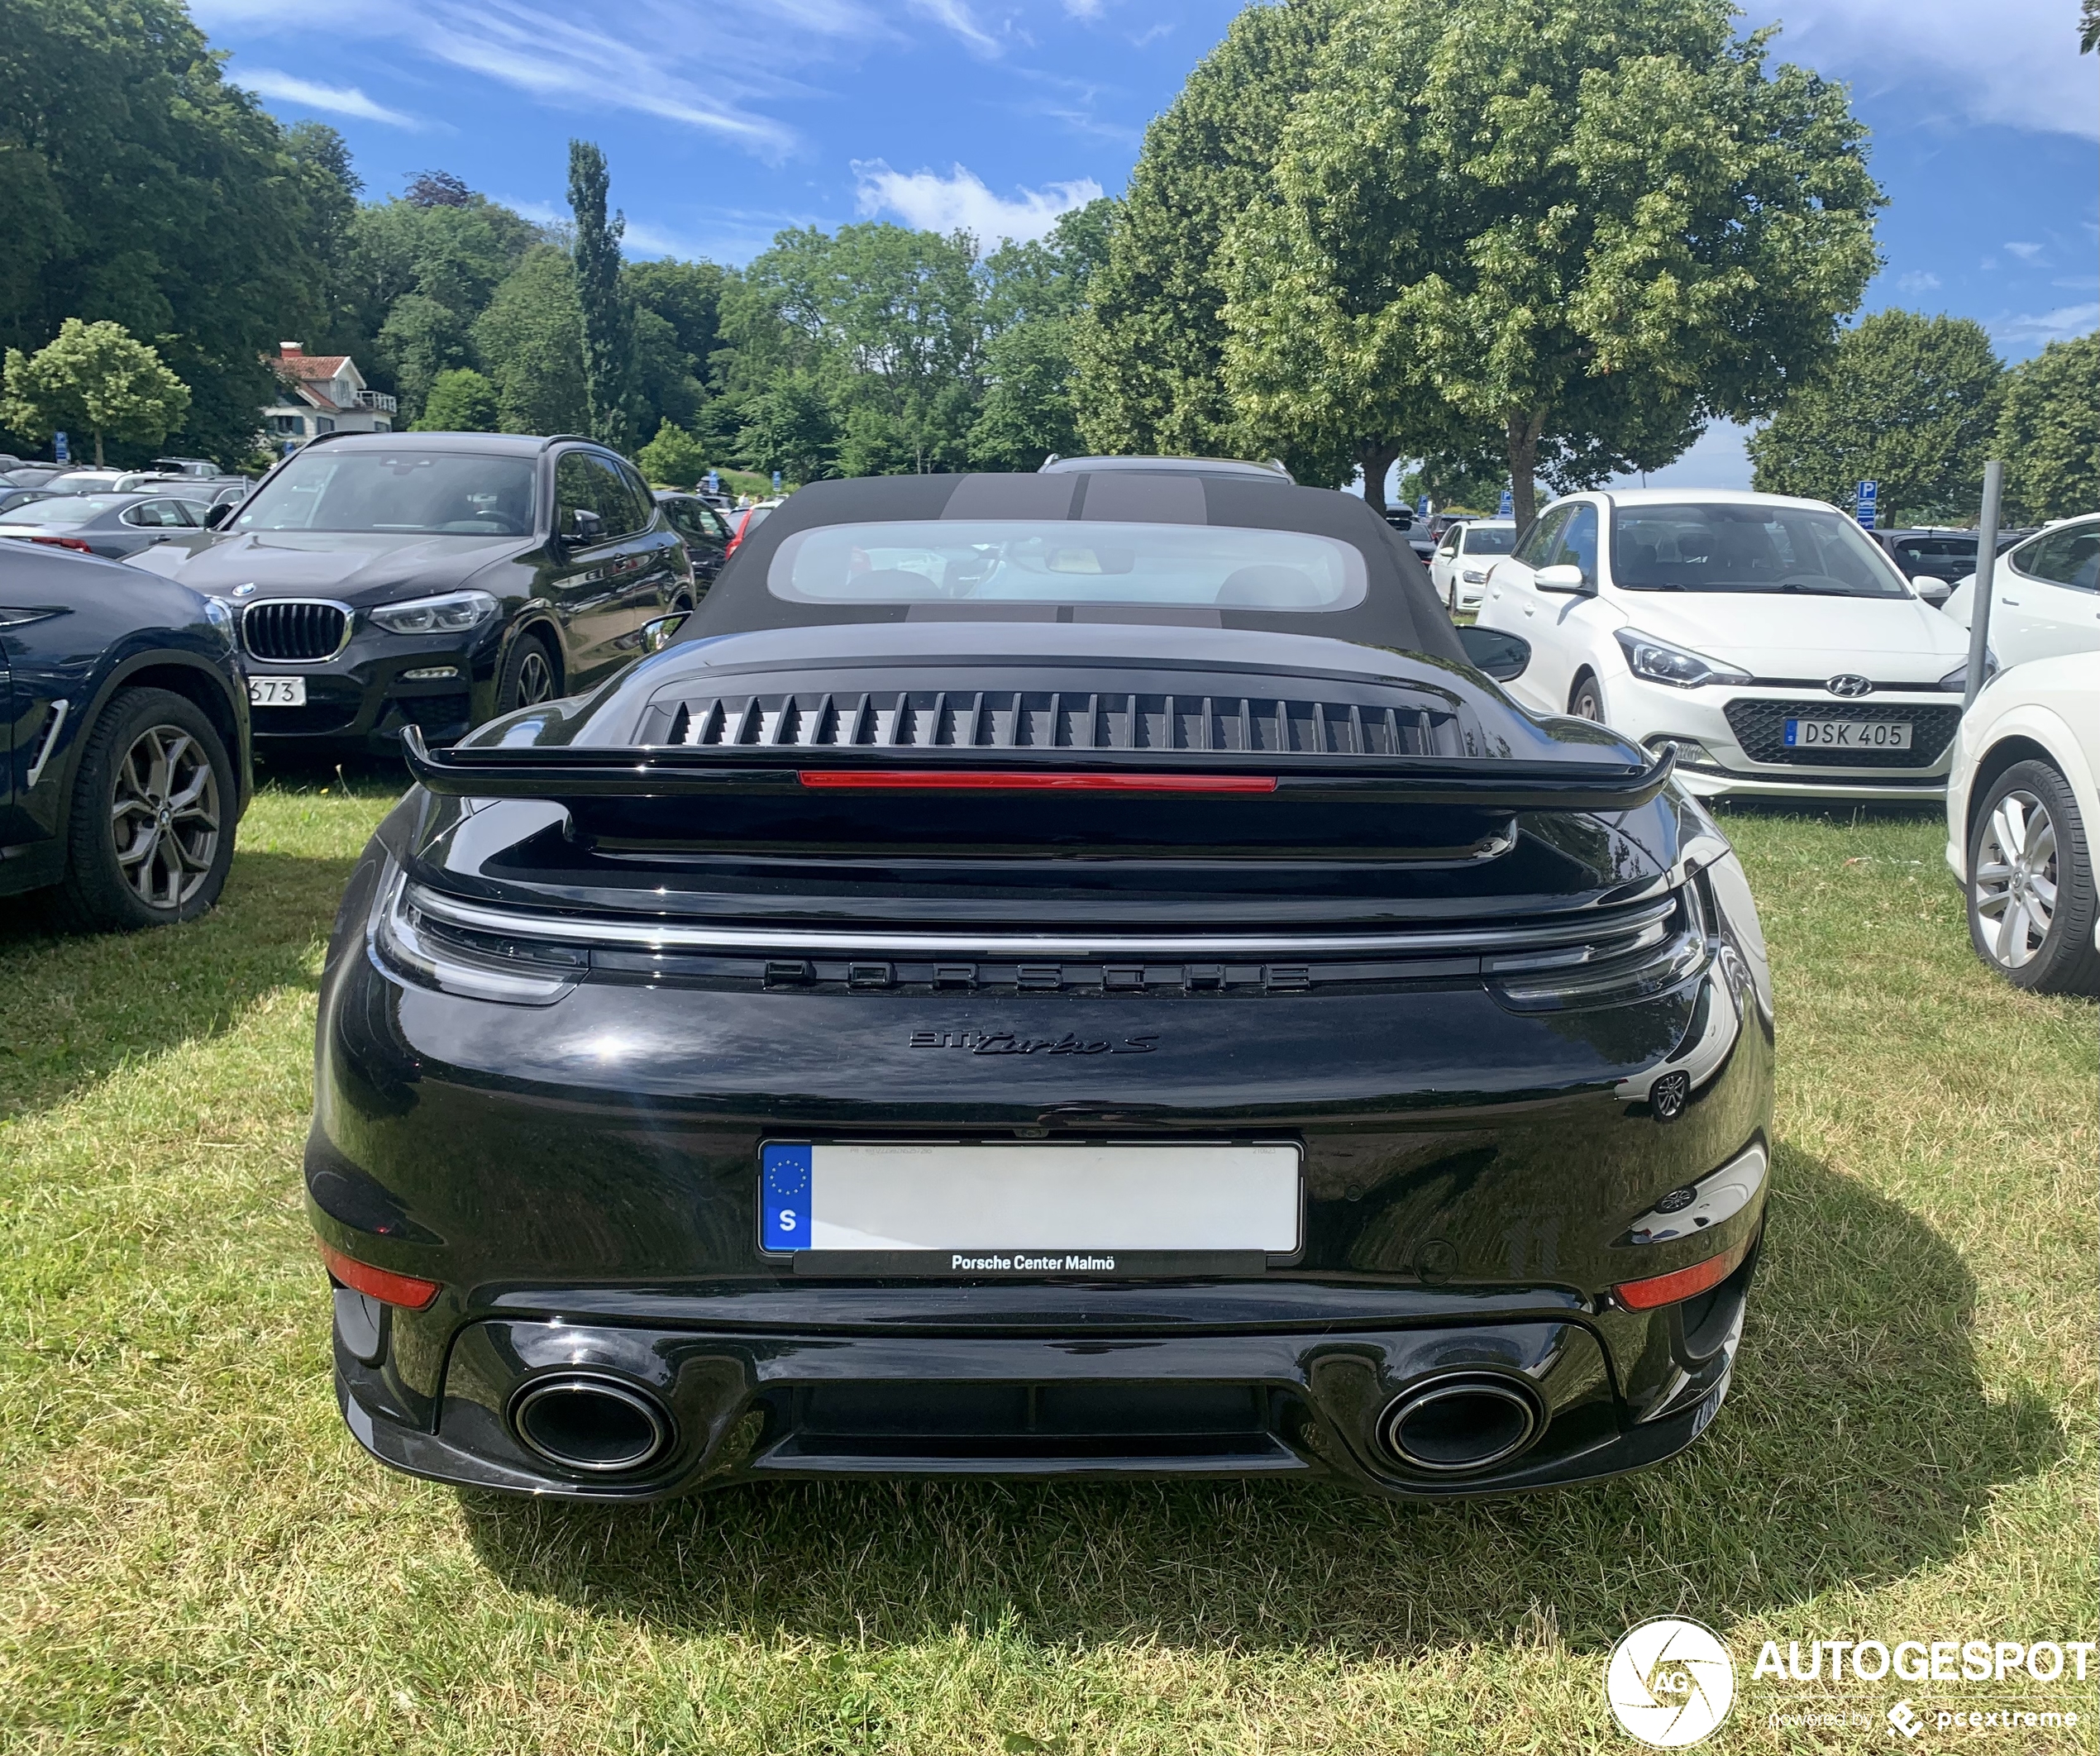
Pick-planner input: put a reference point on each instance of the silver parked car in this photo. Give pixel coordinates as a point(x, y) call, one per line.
point(115, 525)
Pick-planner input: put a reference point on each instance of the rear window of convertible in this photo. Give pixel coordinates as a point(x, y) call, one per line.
point(1061, 561)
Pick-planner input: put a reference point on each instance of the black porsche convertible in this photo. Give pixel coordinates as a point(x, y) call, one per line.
point(1071, 975)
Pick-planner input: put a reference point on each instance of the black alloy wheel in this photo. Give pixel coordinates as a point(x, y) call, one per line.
point(2031, 902)
point(151, 836)
point(531, 673)
point(1586, 699)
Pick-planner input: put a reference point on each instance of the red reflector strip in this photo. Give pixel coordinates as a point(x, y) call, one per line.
point(1686, 1283)
point(65, 542)
point(381, 1284)
point(1008, 780)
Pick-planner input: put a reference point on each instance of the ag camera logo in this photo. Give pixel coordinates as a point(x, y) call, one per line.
point(1670, 1682)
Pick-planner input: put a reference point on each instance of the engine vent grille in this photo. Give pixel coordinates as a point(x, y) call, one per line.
point(291, 630)
point(1059, 720)
point(1760, 727)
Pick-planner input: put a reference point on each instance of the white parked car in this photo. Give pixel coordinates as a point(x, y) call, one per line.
point(1458, 567)
point(2048, 594)
point(1771, 639)
point(2021, 805)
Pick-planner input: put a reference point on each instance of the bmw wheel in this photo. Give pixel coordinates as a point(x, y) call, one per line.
point(2031, 890)
point(1586, 699)
point(151, 830)
point(530, 675)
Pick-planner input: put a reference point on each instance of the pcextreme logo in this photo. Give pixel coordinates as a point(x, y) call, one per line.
point(1670, 1682)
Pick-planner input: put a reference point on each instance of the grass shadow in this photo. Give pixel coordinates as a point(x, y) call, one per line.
point(77, 1006)
point(1859, 1446)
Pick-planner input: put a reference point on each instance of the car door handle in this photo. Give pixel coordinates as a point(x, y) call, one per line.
point(2014, 602)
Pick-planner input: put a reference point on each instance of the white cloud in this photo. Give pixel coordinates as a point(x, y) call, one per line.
point(958, 19)
point(650, 58)
point(2021, 68)
point(1083, 8)
point(337, 100)
point(1918, 280)
point(960, 200)
point(2025, 252)
point(2031, 332)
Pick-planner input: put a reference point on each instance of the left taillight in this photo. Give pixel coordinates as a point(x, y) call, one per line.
point(410, 1292)
point(65, 542)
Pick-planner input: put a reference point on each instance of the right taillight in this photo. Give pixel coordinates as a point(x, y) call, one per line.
point(1681, 1283)
point(1609, 971)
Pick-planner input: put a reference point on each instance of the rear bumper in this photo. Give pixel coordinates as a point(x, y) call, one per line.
point(740, 1406)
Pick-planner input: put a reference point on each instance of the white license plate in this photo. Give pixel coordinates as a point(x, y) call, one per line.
point(1848, 734)
point(277, 692)
point(996, 1199)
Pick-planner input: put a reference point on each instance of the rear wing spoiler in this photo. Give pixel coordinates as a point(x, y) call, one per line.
point(571, 771)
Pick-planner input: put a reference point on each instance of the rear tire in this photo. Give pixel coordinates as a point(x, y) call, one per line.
point(2031, 902)
point(531, 673)
point(149, 838)
point(1586, 700)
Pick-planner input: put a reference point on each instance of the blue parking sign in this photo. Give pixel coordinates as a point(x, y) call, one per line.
point(1508, 506)
point(1863, 507)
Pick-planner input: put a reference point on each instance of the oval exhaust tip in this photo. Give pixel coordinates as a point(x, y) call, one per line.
point(1456, 1424)
point(580, 1421)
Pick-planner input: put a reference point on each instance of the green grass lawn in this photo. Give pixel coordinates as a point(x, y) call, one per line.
point(195, 1556)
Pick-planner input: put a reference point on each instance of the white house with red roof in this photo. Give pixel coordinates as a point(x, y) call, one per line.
point(321, 394)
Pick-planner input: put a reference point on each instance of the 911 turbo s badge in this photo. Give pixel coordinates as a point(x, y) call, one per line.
point(1006, 1042)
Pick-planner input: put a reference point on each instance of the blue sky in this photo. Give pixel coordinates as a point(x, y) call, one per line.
point(724, 125)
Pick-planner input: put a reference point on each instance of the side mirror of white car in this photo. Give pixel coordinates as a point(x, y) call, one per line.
point(1566, 577)
point(1934, 591)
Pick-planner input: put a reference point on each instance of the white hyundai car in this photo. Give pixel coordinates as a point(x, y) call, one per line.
point(2047, 593)
point(1458, 567)
point(1771, 639)
point(2021, 805)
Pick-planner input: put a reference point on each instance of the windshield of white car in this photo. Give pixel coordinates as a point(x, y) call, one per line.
point(444, 494)
point(1735, 546)
point(70, 508)
point(1497, 540)
point(1060, 561)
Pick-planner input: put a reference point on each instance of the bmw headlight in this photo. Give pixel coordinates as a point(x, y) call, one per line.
point(453, 613)
point(220, 614)
point(1659, 662)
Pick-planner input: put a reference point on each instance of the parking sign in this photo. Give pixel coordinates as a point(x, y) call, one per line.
point(1864, 506)
point(1507, 507)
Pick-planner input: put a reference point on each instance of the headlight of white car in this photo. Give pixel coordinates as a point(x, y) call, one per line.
point(1659, 662)
point(451, 613)
point(1958, 679)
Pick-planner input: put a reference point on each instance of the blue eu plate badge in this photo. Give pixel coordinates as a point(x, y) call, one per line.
point(784, 1186)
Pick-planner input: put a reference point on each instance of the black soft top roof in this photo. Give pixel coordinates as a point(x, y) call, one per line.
point(1399, 609)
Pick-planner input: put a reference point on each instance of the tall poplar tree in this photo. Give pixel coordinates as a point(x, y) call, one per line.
point(607, 315)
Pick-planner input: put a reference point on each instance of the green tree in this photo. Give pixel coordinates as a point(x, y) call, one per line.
point(790, 425)
point(608, 317)
point(93, 378)
point(674, 459)
point(1590, 224)
point(2090, 26)
point(887, 325)
point(1908, 401)
point(461, 402)
point(2050, 432)
point(138, 187)
point(419, 274)
point(1034, 294)
point(1149, 352)
point(530, 342)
